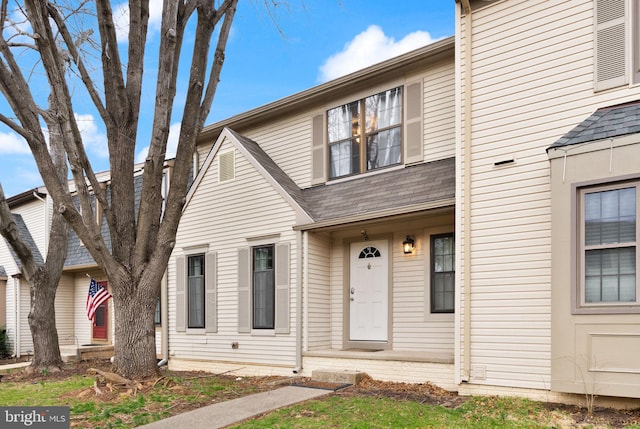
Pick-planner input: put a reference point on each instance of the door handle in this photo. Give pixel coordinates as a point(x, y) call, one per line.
point(353, 291)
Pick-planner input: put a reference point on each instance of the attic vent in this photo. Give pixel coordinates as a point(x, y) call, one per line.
point(226, 167)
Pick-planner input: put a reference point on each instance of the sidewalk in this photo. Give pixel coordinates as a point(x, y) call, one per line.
point(229, 412)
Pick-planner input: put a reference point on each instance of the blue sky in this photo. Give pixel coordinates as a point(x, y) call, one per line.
point(317, 40)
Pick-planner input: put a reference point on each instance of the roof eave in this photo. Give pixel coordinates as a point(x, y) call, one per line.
point(402, 63)
point(393, 212)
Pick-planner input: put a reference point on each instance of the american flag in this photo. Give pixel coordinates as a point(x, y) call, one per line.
point(97, 295)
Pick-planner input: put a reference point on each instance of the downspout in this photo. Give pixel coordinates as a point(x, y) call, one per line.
point(299, 279)
point(16, 322)
point(467, 190)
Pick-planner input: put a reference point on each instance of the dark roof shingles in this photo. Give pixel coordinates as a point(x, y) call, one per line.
point(604, 123)
point(404, 187)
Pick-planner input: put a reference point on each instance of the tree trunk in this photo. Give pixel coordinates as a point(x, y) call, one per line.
point(135, 331)
point(46, 347)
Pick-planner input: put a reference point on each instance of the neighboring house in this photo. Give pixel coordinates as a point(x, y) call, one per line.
point(77, 334)
point(547, 218)
point(507, 160)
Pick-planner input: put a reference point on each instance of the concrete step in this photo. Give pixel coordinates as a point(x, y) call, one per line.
point(338, 377)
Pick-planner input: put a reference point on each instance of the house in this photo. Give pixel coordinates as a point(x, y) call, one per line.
point(78, 336)
point(493, 157)
point(290, 254)
point(548, 134)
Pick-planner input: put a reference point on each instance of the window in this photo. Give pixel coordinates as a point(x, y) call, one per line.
point(157, 318)
point(263, 288)
point(608, 237)
point(195, 291)
point(442, 273)
point(375, 120)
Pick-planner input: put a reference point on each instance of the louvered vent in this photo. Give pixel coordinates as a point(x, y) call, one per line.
point(226, 167)
point(611, 61)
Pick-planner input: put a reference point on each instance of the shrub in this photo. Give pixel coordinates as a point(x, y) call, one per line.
point(4, 348)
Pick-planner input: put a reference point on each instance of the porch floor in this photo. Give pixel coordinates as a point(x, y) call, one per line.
point(72, 353)
point(388, 355)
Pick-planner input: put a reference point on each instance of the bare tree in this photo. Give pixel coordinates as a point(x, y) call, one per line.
point(43, 278)
point(142, 242)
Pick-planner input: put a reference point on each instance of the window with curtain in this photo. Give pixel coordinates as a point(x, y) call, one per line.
point(366, 134)
point(196, 292)
point(263, 291)
point(608, 241)
point(442, 273)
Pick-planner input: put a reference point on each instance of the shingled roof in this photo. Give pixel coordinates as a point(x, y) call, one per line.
point(24, 233)
point(405, 187)
point(365, 196)
point(604, 123)
point(3, 272)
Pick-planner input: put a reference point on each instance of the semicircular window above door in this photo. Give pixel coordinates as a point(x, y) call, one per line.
point(369, 252)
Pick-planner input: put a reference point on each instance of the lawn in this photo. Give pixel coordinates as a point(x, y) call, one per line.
point(373, 404)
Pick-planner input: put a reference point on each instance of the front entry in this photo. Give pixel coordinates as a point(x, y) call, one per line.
point(101, 319)
point(369, 291)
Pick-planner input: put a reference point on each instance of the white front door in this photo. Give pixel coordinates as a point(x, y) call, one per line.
point(369, 291)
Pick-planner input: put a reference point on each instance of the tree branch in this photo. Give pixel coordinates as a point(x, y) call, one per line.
point(9, 230)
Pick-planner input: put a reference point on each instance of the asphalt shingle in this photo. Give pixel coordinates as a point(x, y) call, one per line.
point(604, 123)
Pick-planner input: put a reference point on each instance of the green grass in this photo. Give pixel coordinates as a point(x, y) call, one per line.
point(119, 410)
point(366, 412)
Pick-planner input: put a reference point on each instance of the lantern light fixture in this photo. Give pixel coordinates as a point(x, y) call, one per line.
point(408, 245)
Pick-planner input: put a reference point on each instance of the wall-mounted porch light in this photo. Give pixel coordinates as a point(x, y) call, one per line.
point(408, 245)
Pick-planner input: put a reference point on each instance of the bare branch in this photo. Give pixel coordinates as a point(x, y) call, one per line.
point(15, 127)
point(77, 60)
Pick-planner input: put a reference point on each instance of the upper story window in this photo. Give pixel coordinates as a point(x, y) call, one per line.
point(608, 237)
point(366, 134)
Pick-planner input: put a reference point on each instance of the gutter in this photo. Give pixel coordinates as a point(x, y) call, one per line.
point(395, 211)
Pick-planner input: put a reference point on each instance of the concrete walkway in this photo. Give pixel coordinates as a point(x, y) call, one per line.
point(229, 412)
point(14, 365)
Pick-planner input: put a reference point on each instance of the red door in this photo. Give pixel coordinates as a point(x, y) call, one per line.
point(101, 319)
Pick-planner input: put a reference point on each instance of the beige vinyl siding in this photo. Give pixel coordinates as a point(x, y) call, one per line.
point(11, 313)
point(26, 342)
point(64, 306)
point(439, 112)
point(413, 329)
point(82, 325)
point(33, 214)
point(317, 302)
point(288, 140)
point(532, 81)
point(288, 143)
point(221, 217)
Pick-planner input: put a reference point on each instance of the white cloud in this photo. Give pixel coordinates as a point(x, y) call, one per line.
point(121, 18)
point(12, 143)
point(370, 47)
point(172, 144)
point(95, 141)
